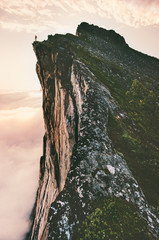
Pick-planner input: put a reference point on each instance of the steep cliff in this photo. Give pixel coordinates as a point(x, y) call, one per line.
point(86, 82)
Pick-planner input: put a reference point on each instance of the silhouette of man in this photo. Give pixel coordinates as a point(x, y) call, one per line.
point(35, 37)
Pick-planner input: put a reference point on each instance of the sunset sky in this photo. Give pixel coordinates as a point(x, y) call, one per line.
point(20, 20)
point(21, 120)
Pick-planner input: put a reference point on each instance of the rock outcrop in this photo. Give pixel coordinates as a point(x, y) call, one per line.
point(80, 164)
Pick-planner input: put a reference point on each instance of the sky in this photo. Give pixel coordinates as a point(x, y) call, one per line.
point(20, 20)
point(21, 120)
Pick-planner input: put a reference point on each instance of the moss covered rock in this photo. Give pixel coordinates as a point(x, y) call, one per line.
point(115, 219)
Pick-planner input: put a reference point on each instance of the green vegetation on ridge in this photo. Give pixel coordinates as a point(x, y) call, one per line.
point(113, 219)
point(137, 138)
point(138, 141)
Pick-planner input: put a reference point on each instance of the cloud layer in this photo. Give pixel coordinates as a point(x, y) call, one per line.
point(20, 150)
point(134, 13)
point(38, 15)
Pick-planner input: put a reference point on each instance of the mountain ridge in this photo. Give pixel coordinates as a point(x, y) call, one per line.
point(83, 77)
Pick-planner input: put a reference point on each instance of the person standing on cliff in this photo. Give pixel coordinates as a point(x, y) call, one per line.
point(35, 37)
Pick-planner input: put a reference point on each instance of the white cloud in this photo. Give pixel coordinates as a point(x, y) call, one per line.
point(31, 16)
point(20, 150)
point(30, 28)
point(14, 100)
point(135, 13)
point(57, 3)
point(18, 183)
point(39, 15)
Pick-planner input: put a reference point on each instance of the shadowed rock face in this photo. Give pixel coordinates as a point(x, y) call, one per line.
point(108, 35)
point(79, 163)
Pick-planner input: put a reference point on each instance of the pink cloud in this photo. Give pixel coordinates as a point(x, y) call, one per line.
point(40, 15)
point(20, 150)
point(13, 100)
point(135, 13)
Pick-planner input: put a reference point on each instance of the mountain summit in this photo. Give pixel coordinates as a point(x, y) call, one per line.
point(99, 169)
point(107, 35)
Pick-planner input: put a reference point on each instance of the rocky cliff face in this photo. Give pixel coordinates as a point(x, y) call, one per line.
point(80, 164)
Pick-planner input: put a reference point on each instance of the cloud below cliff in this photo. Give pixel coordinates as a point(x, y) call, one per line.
point(20, 150)
point(38, 15)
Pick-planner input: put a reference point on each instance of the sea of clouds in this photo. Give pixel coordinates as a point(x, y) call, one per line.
point(21, 133)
